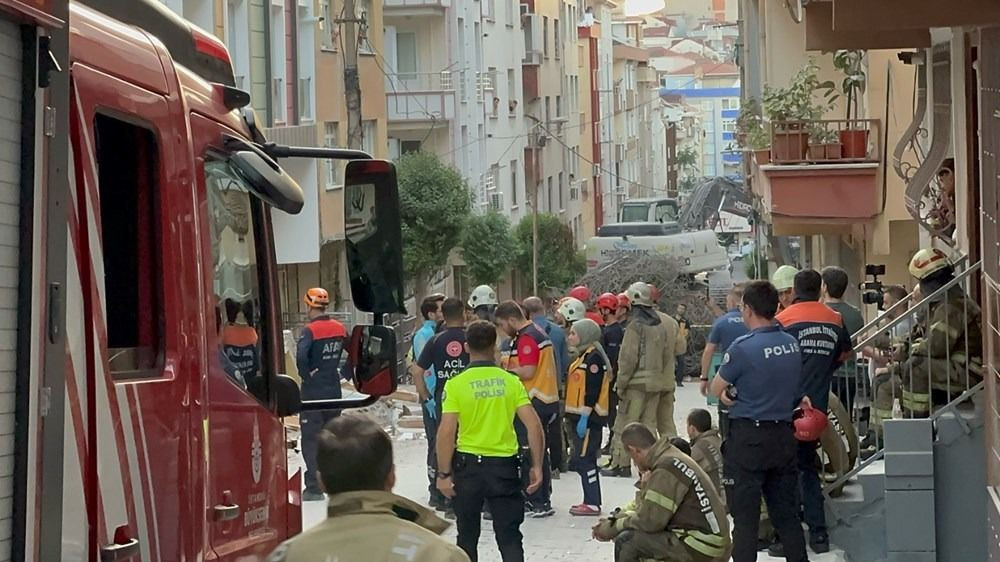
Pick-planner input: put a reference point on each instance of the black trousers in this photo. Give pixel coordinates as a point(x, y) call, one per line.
point(549, 414)
point(762, 458)
point(498, 481)
point(846, 388)
point(310, 424)
point(554, 439)
point(430, 430)
point(584, 460)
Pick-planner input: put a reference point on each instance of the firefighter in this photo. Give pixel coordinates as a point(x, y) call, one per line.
point(483, 302)
point(572, 310)
point(945, 353)
point(365, 520)
point(645, 382)
point(706, 446)
point(583, 294)
point(318, 360)
point(613, 333)
point(624, 307)
point(587, 392)
point(784, 281)
point(679, 515)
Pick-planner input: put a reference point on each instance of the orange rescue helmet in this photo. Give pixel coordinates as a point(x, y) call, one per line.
point(580, 293)
point(810, 423)
point(317, 297)
point(608, 301)
point(624, 301)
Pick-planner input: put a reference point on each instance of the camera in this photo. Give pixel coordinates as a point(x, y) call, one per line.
point(875, 270)
point(872, 297)
point(871, 291)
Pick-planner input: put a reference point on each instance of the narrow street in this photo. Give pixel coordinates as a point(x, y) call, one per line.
point(561, 537)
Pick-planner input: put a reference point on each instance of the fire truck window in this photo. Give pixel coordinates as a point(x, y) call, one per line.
point(235, 275)
point(127, 182)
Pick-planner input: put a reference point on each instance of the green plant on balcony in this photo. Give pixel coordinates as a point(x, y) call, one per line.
point(788, 109)
point(751, 132)
point(852, 64)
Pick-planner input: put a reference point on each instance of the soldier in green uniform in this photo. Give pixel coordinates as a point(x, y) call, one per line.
point(678, 516)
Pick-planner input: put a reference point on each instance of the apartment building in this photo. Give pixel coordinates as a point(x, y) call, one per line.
point(627, 159)
point(714, 90)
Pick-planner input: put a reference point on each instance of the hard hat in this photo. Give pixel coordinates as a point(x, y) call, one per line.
point(784, 278)
point(624, 301)
point(809, 423)
point(580, 293)
point(572, 309)
point(607, 300)
point(640, 293)
point(317, 298)
point(483, 295)
point(927, 261)
point(654, 293)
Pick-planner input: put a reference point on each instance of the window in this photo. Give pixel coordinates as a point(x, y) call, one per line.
point(233, 218)
point(333, 168)
point(278, 63)
point(513, 184)
point(545, 36)
point(326, 26)
point(548, 117)
point(511, 92)
point(306, 53)
point(729, 126)
point(490, 9)
point(549, 195)
point(730, 103)
point(559, 108)
point(362, 10)
point(562, 190)
point(238, 42)
point(555, 39)
point(511, 9)
point(406, 55)
point(127, 158)
point(369, 131)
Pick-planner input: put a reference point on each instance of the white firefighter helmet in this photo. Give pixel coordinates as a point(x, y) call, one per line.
point(572, 309)
point(640, 293)
point(784, 278)
point(483, 295)
point(927, 261)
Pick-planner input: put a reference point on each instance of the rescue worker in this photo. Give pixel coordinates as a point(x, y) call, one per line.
point(572, 310)
point(725, 330)
point(784, 281)
point(825, 345)
point(706, 446)
point(613, 333)
point(624, 307)
point(945, 348)
point(583, 294)
point(477, 440)
point(587, 390)
point(535, 309)
point(679, 515)
point(239, 339)
point(444, 357)
point(425, 381)
point(760, 380)
point(318, 360)
point(531, 358)
point(682, 334)
point(645, 382)
point(483, 302)
point(365, 520)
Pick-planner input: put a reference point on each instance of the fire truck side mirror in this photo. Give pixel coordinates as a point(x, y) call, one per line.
point(374, 240)
point(372, 352)
point(287, 396)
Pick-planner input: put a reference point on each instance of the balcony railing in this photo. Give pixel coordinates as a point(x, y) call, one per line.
point(439, 4)
point(420, 82)
point(422, 96)
point(825, 141)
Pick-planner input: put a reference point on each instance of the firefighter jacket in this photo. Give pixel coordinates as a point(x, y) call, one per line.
point(587, 386)
point(706, 450)
point(648, 353)
point(952, 333)
point(372, 526)
point(677, 496)
point(320, 348)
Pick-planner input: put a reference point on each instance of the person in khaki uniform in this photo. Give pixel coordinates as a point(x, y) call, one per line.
point(645, 382)
point(679, 517)
point(365, 520)
point(706, 446)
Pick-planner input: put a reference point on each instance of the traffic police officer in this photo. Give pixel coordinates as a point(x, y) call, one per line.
point(476, 439)
point(318, 360)
point(759, 380)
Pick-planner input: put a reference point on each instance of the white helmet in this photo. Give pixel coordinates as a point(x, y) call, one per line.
point(572, 309)
point(640, 293)
point(483, 295)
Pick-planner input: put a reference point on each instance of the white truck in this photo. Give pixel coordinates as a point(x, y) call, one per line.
point(699, 250)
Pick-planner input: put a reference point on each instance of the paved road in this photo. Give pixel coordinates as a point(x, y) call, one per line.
point(561, 537)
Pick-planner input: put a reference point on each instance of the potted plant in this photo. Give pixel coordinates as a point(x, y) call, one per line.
point(790, 109)
point(853, 138)
point(824, 144)
point(751, 133)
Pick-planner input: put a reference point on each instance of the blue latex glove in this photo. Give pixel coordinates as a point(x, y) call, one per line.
point(431, 406)
point(581, 426)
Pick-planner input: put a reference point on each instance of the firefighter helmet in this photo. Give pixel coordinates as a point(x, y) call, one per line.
point(784, 278)
point(640, 293)
point(927, 261)
point(580, 293)
point(624, 301)
point(809, 423)
point(608, 301)
point(317, 297)
point(483, 295)
point(572, 309)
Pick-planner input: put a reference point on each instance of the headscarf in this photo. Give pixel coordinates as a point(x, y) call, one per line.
point(589, 334)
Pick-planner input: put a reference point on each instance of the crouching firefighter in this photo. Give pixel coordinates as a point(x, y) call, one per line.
point(678, 516)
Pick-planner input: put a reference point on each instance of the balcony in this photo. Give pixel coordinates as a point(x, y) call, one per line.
point(534, 42)
point(415, 7)
point(820, 176)
point(421, 96)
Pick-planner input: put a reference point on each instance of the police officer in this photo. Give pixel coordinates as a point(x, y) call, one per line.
point(476, 439)
point(318, 360)
point(445, 357)
point(365, 520)
point(759, 381)
point(678, 513)
point(483, 302)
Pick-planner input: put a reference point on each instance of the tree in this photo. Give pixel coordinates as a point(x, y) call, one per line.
point(434, 202)
point(488, 248)
point(687, 158)
point(559, 262)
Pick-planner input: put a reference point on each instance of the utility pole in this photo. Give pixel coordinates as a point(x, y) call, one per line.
point(352, 83)
point(536, 171)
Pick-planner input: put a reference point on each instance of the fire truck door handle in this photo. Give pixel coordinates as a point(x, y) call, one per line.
point(223, 512)
point(116, 552)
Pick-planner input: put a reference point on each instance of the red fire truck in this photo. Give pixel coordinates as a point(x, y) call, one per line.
point(136, 193)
